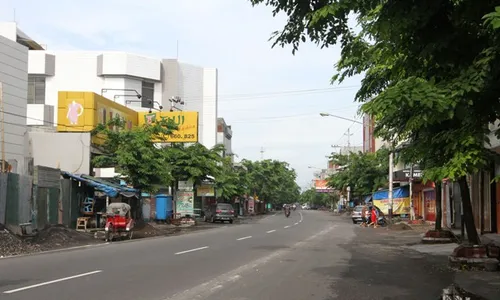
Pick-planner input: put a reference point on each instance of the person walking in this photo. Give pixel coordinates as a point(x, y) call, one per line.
point(364, 219)
point(374, 217)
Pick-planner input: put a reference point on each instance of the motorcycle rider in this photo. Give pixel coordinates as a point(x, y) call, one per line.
point(287, 209)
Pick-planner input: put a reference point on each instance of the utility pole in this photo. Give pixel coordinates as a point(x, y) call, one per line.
point(412, 210)
point(2, 128)
point(391, 170)
point(349, 134)
point(262, 153)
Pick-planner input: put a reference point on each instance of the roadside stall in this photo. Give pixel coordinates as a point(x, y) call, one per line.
point(95, 198)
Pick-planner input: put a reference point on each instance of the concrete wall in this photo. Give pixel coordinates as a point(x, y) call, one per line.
point(14, 76)
point(15, 200)
point(67, 151)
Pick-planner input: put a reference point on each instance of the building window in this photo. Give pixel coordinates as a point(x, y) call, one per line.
point(148, 94)
point(36, 90)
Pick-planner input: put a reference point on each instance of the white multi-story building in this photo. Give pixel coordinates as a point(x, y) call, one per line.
point(122, 77)
point(14, 46)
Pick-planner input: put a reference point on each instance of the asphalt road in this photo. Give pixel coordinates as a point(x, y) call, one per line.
point(311, 255)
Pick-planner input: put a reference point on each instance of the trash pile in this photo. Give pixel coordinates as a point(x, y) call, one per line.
point(10, 244)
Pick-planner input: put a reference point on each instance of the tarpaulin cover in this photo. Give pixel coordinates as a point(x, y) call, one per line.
point(400, 192)
point(368, 199)
point(110, 189)
point(400, 200)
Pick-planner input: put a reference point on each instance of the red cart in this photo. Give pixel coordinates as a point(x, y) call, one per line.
point(118, 221)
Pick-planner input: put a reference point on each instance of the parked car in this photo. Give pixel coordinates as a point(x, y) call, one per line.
point(356, 214)
point(219, 212)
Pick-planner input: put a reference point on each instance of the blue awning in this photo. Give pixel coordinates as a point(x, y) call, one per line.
point(110, 189)
point(400, 192)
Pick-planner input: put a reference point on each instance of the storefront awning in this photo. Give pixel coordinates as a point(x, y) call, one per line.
point(110, 189)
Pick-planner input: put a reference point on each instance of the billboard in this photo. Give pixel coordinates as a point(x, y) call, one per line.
point(186, 121)
point(400, 200)
point(83, 111)
point(321, 186)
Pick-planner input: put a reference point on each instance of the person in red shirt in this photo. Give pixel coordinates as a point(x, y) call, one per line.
point(374, 217)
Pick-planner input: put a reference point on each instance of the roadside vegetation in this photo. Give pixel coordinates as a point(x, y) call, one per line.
point(143, 156)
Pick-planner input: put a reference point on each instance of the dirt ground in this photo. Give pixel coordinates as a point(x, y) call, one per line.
point(59, 236)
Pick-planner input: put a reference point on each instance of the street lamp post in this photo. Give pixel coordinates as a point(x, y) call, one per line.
point(391, 162)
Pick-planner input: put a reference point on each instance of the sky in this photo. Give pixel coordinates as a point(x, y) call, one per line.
point(270, 97)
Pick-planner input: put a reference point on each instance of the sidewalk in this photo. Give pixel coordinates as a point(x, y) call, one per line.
point(481, 283)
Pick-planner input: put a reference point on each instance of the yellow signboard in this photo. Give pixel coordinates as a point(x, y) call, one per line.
point(205, 191)
point(82, 111)
point(186, 121)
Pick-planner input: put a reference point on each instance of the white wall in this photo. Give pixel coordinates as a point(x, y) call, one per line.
point(96, 70)
point(8, 30)
point(198, 87)
point(68, 151)
point(210, 97)
point(14, 76)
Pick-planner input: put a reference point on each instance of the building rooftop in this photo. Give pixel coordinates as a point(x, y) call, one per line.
point(12, 32)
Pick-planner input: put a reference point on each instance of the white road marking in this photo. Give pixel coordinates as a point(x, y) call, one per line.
point(191, 250)
point(270, 231)
point(51, 282)
point(296, 223)
point(244, 238)
point(286, 227)
point(275, 214)
point(204, 290)
point(301, 217)
point(216, 287)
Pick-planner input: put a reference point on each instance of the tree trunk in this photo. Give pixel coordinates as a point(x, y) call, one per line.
point(439, 212)
point(470, 227)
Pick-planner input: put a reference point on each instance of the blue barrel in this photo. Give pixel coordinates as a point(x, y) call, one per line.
point(163, 207)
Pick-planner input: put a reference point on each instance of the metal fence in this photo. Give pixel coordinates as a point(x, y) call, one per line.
point(15, 200)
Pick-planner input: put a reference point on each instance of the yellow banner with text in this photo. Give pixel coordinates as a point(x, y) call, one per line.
point(186, 121)
point(83, 111)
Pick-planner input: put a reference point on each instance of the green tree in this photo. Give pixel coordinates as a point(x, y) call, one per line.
point(431, 72)
point(231, 180)
point(133, 153)
point(272, 180)
point(192, 162)
point(312, 197)
point(364, 173)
